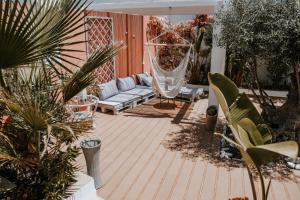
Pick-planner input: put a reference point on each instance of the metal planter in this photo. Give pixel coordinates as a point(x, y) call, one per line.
point(91, 151)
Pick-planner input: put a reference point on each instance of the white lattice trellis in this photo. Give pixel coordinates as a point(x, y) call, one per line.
point(100, 33)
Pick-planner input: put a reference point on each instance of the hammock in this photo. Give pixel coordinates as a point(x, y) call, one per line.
point(168, 83)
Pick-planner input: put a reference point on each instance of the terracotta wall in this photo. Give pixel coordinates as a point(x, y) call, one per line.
point(130, 29)
point(146, 61)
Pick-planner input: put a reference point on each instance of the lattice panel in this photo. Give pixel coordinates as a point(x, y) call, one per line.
point(99, 34)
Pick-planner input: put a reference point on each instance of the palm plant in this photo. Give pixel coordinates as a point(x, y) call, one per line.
point(251, 137)
point(37, 39)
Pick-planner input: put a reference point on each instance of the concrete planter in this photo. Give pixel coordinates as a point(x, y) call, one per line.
point(211, 118)
point(91, 151)
point(83, 188)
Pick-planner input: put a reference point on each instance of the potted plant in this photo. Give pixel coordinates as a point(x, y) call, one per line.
point(211, 118)
point(38, 134)
point(250, 135)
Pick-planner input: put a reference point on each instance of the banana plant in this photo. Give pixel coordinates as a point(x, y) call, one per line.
point(250, 136)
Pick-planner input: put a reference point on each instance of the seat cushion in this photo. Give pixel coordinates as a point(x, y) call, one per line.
point(108, 89)
point(140, 78)
point(143, 92)
point(123, 98)
point(126, 83)
point(147, 81)
point(190, 93)
point(110, 105)
point(143, 87)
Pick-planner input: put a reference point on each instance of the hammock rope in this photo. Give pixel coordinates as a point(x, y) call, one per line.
point(168, 83)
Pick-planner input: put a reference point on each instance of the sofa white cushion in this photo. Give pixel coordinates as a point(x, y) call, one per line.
point(140, 78)
point(126, 83)
point(147, 81)
point(108, 89)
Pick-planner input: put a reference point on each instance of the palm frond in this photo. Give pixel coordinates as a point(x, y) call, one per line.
point(31, 31)
point(84, 76)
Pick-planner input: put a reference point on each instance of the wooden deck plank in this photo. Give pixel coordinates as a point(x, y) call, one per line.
point(155, 180)
point(209, 189)
point(136, 189)
point(112, 153)
point(223, 184)
point(123, 153)
point(237, 183)
point(116, 131)
point(197, 180)
point(170, 179)
point(114, 145)
point(278, 189)
point(182, 184)
point(142, 147)
point(136, 164)
point(247, 186)
point(128, 181)
point(133, 156)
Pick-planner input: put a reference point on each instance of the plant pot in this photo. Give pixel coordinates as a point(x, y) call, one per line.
point(211, 118)
point(91, 151)
point(239, 198)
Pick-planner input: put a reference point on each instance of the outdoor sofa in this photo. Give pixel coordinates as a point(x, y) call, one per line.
point(128, 92)
point(122, 93)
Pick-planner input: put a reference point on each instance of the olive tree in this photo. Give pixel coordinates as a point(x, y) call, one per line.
point(268, 31)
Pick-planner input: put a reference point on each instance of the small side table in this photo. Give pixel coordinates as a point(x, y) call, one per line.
point(84, 110)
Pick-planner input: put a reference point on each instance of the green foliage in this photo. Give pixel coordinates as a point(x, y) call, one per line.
point(37, 135)
point(250, 136)
point(198, 32)
point(34, 139)
point(212, 110)
point(254, 30)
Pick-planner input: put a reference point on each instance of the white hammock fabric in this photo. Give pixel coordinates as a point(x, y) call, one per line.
point(168, 83)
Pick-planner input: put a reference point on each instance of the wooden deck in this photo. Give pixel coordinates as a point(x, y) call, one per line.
point(152, 153)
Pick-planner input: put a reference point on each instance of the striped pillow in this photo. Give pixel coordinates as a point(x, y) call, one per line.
point(108, 89)
point(125, 84)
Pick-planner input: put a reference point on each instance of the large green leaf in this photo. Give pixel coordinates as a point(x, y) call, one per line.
point(224, 85)
point(243, 107)
point(252, 131)
point(270, 152)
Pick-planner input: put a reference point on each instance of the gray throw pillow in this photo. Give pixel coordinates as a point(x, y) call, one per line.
point(108, 89)
point(140, 78)
point(125, 84)
point(147, 81)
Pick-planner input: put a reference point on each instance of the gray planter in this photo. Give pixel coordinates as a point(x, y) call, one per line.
point(91, 151)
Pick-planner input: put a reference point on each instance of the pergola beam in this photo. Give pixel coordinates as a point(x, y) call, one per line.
point(156, 7)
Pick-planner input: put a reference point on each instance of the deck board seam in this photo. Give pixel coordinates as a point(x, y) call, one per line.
point(120, 131)
point(216, 183)
point(152, 174)
point(129, 143)
point(135, 160)
point(164, 176)
point(202, 183)
point(110, 131)
point(176, 179)
point(286, 191)
point(120, 137)
point(190, 180)
point(169, 128)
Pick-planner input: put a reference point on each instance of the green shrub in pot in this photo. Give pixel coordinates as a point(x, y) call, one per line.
point(211, 118)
